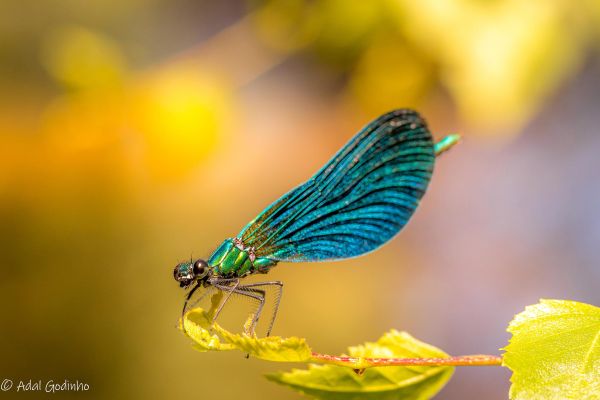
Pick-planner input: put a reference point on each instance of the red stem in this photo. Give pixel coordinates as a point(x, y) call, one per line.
point(362, 362)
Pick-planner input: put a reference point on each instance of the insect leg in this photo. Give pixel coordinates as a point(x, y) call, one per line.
point(279, 287)
point(261, 295)
point(254, 294)
point(227, 288)
point(187, 299)
point(187, 305)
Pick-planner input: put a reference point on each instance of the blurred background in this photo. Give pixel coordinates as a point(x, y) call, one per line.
point(134, 134)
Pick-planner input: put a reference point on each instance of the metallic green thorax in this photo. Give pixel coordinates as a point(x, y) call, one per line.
point(233, 260)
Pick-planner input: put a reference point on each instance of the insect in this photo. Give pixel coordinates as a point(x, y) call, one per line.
point(354, 204)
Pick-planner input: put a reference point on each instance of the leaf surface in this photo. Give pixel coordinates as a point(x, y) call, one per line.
point(554, 352)
point(342, 383)
point(207, 337)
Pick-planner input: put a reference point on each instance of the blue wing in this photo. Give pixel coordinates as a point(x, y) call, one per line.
point(358, 201)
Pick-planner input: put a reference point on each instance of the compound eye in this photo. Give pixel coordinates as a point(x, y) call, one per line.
point(200, 268)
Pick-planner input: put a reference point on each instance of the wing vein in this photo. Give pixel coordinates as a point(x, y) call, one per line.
point(358, 201)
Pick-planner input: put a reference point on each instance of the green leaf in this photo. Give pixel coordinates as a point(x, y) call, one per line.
point(273, 348)
point(196, 324)
point(352, 378)
point(554, 352)
point(208, 336)
point(340, 383)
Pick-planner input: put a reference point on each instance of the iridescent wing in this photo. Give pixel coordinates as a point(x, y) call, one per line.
point(358, 201)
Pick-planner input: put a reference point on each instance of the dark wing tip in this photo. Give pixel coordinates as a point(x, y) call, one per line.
point(400, 115)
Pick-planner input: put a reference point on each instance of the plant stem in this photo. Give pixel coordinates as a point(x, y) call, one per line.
point(364, 362)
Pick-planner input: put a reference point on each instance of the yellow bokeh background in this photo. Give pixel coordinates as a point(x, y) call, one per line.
point(134, 134)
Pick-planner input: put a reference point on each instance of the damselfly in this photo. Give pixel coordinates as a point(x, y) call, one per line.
point(357, 202)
